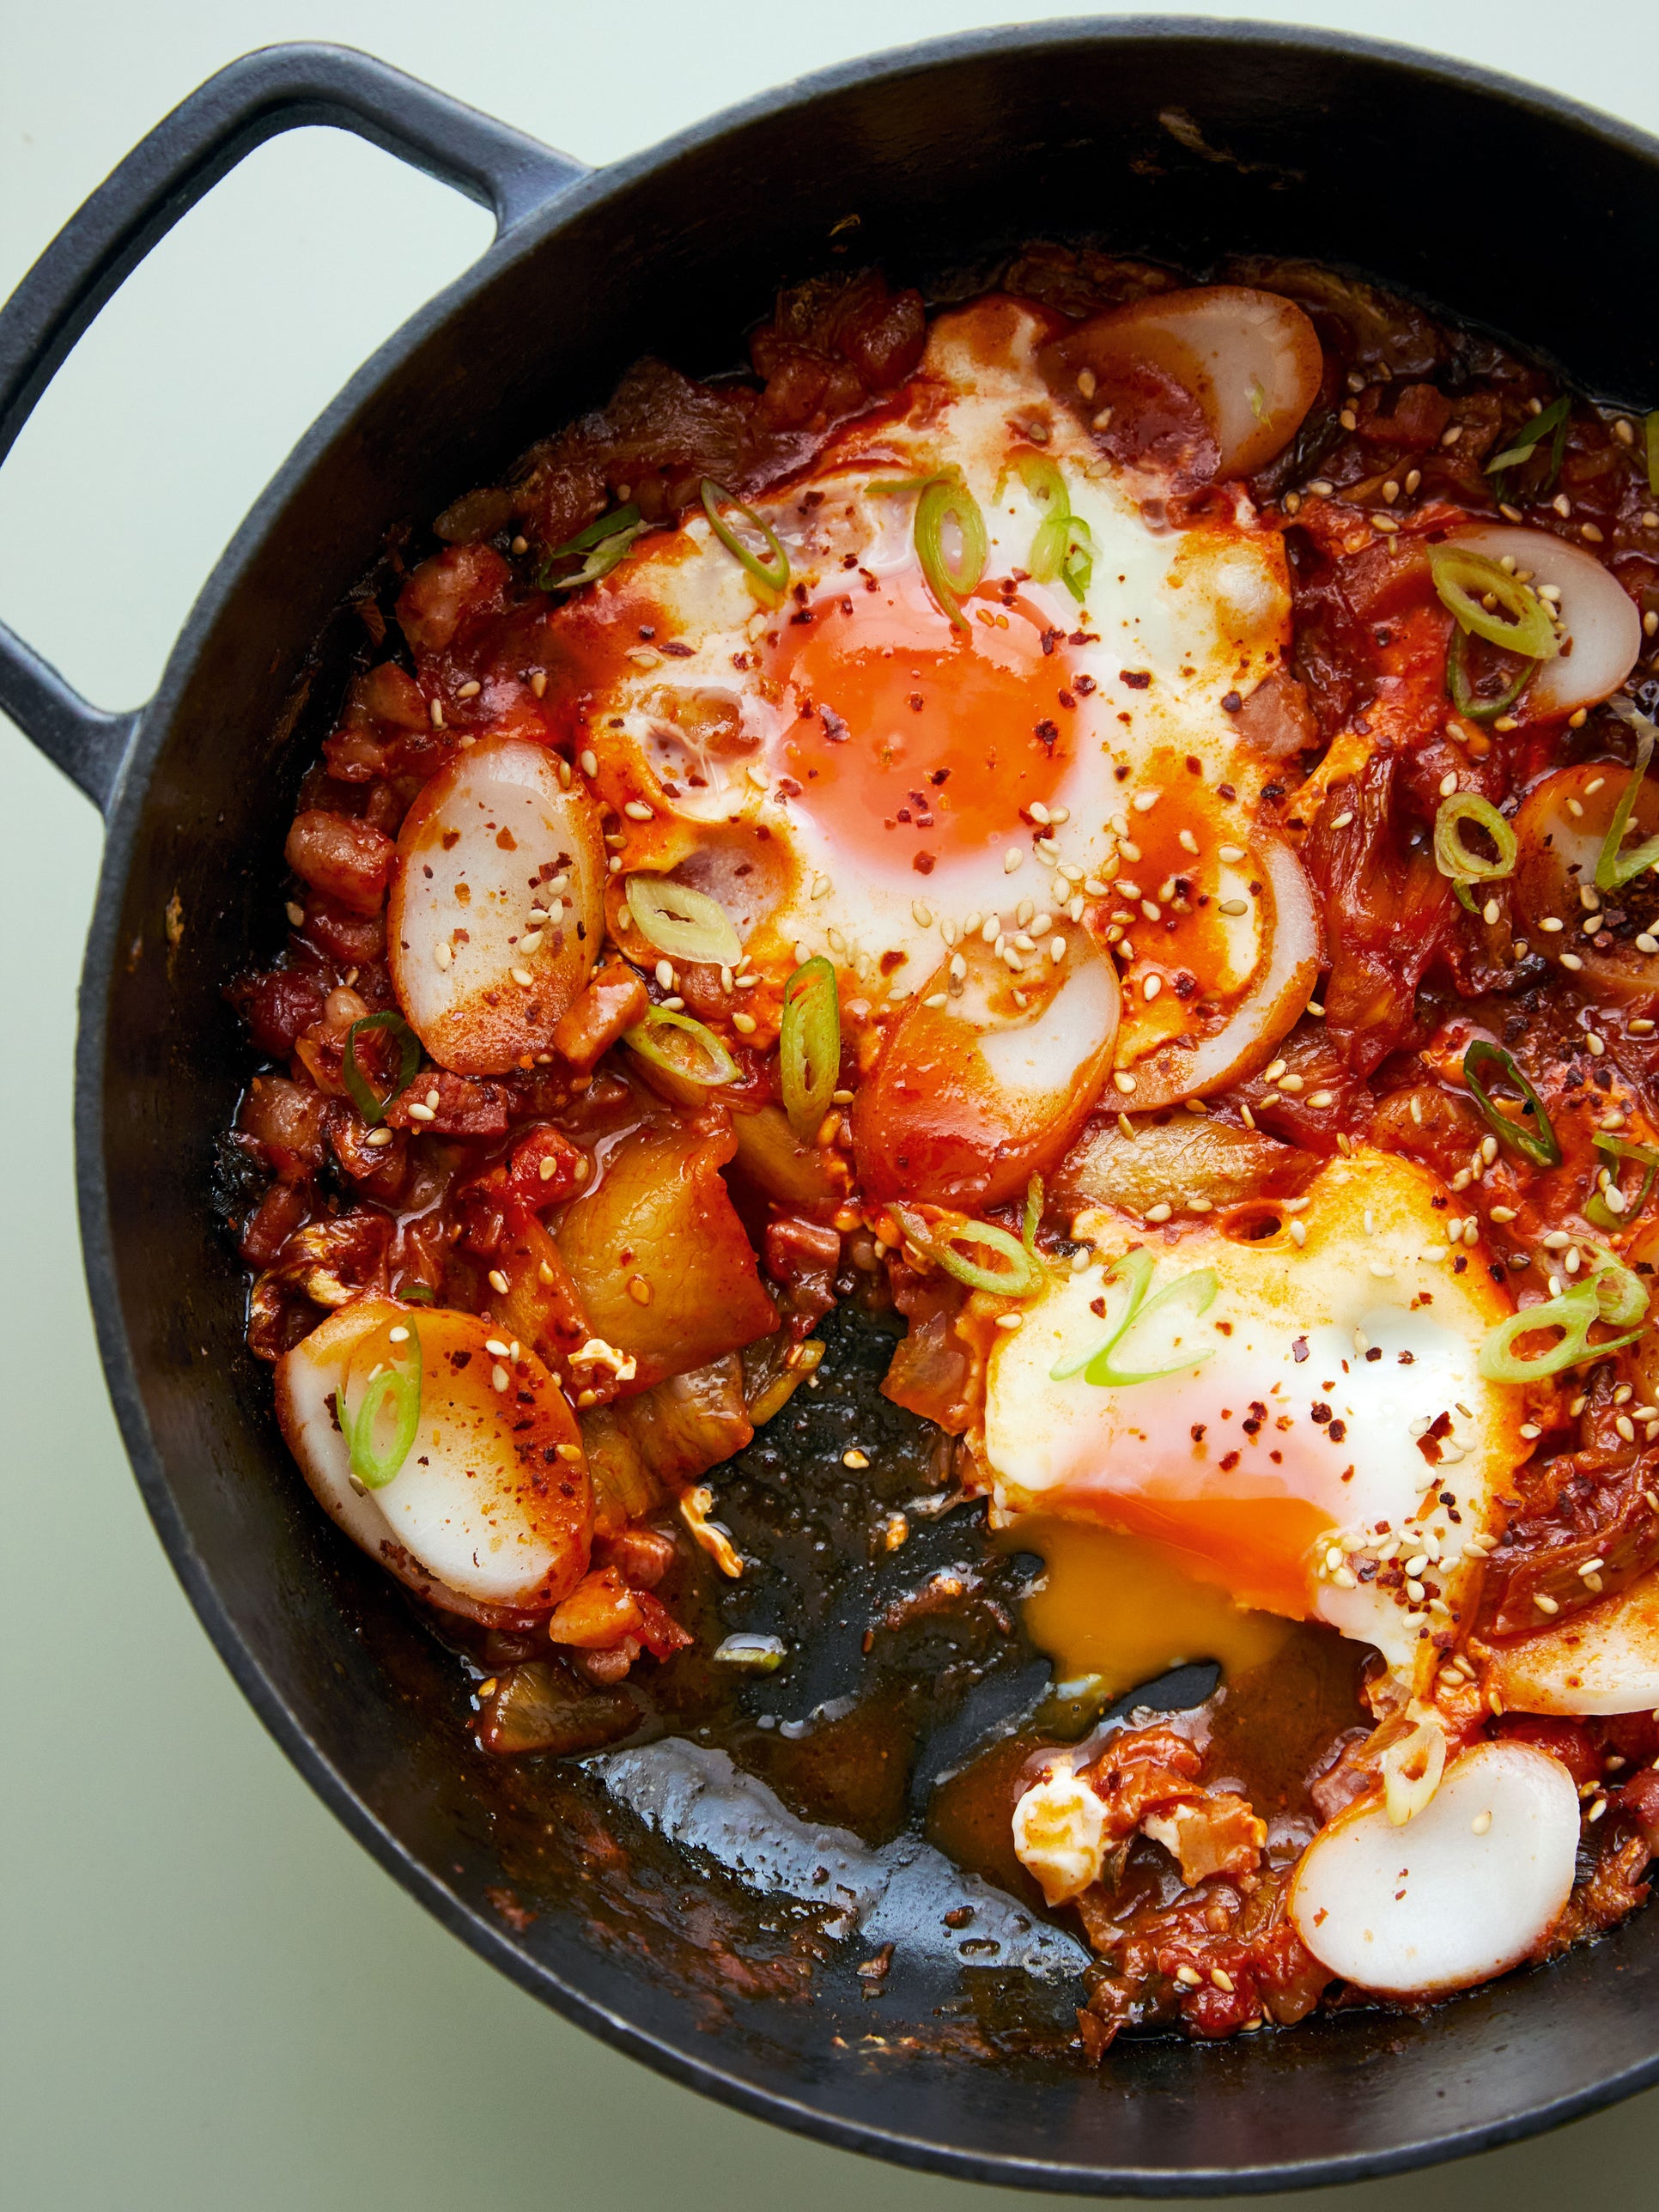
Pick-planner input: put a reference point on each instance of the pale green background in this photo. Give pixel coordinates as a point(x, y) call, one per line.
point(210, 1996)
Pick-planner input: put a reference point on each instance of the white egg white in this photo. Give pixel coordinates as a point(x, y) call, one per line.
point(1331, 1403)
point(1191, 614)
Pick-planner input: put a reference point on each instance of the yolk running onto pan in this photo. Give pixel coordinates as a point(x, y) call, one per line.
point(1123, 1608)
point(912, 736)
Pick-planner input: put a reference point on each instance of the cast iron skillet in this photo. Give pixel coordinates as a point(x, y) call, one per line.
point(1180, 139)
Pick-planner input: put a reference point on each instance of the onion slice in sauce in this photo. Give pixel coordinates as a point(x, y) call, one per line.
point(1598, 616)
point(1270, 1005)
point(1602, 1660)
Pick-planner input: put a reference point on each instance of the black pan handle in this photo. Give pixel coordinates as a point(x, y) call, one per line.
point(278, 88)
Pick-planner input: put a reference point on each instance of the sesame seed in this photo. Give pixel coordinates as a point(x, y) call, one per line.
point(1588, 530)
point(935, 999)
point(1187, 1977)
point(1545, 1602)
point(1481, 1823)
point(923, 916)
point(378, 1136)
point(1144, 801)
point(588, 762)
point(1647, 943)
point(1125, 1082)
point(419, 1113)
point(1152, 987)
point(1298, 1231)
point(1009, 1320)
point(1222, 1980)
point(1234, 906)
point(1293, 1083)
point(295, 914)
point(743, 1024)
point(1057, 949)
point(1571, 960)
point(1010, 859)
point(1342, 821)
point(522, 977)
point(436, 712)
point(1447, 785)
point(1321, 1098)
point(855, 1459)
point(499, 1377)
point(1380, 1268)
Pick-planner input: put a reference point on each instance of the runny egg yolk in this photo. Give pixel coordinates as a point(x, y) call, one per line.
point(916, 742)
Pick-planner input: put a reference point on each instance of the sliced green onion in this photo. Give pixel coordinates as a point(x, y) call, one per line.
point(1537, 1144)
point(363, 1097)
point(1553, 417)
point(1454, 858)
point(397, 1388)
point(1045, 485)
point(1614, 1149)
point(772, 574)
point(419, 1294)
point(1033, 1216)
point(1463, 578)
point(681, 1046)
point(604, 542)
point(1615, 866)
point(808, 1044)
point(1620, 1296)
point(1077, 569)
point(685, 924)
point(1018, 1278)
point(1461, 693)
point(1573, 1313)
point(946, 500)
point(1135, 1271)
point(1196, 1289)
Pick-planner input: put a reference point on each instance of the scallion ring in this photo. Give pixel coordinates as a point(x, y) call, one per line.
point(808, 1044)
point(1464, 579)
point(1135, 1271)
point(772, 574)
point(1621, 1297)
point(1615, 866)
point(1553, 417)
point(1573, 1313)
point(604, 542)
point(363, 1097)
point(1537, 1143)
point(681, 1046)
point(945, 500)
point(396, 1389)
point(1454, 858)
point(1033, 1214)
point(1077, 569)
point(685, 924)
point(1612, 1149)
point(1196, 1289)
point(1019, 1276)
point(1463, 696)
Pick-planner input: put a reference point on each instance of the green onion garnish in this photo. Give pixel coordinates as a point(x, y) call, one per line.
point(1033, 1215)
point(1097, 1366)
point(1046, 488)
point(1077, 568)
point(396, 1389)
point(1454, 858)
point(772, 574)
point(1615, 868)
point(1018, 1277)
point(604, 542)
point(1537, 1143)
point(1463, 697)
point(685, 924)
point(371, 1107)
point(808, 1044)
point(1463, 579)
point(1620, 1296)
point(1614, 1149)
point(1573, 1313)
point(1554, 417)
point(420, 1294)
point(680, 1045)
point(946, 499)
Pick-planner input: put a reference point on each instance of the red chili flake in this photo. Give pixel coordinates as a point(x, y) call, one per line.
point(916, 703)
point(1084, 683)
point(940, 775)
point(833, 728)
point(1046, 732)
point(1051, 638)
point(1231, 702)
point(1298, 1349)
point(1198, 1426)
point(1338, 1431)
point(903, 814)
point(1067, 699)
point(1322, 1412)
point(1230, 1463)
point(923, 864)
point(680, 652)
point(787, 787)
point(1137, 679)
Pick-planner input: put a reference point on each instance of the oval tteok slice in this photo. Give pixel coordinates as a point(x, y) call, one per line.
point(1602, 630)
point(1250, 362)
point(496, 910)
point(489, 1510)
point(1466, 1890)
point(1603, 1659)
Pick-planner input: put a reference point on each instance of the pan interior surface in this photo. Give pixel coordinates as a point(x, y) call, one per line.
point(1181, 143)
